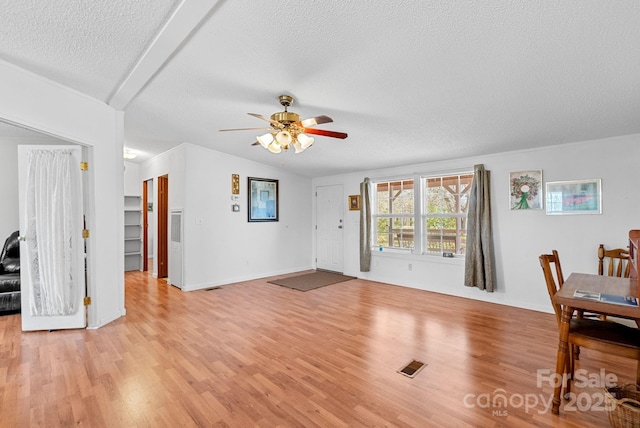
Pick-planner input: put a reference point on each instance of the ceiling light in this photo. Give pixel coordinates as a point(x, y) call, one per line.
point(265, 140)
point(128, 154)
point(305, 141)
point(284, 139)
point(286, 129)
point(278, 140)
point(274, 147)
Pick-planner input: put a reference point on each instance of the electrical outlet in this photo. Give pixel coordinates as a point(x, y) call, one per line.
point(410, 266)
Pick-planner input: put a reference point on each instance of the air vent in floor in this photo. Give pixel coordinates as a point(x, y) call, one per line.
point(412, 369)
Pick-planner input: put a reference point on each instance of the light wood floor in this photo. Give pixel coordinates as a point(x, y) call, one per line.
point(256, 354)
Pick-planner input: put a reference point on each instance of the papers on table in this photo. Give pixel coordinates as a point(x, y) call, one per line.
point(606, 298)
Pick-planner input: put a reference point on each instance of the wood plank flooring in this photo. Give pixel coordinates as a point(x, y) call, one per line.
point(254, 354)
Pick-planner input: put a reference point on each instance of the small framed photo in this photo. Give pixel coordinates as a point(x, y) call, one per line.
point(235, 184)
point(263, 199)
point(525, 190)
point(354, 202)
point(574, 197)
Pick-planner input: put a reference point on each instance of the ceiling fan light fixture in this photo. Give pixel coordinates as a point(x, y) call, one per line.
point(265, 140)
point(274, 147)
point(284, 138)
point(305, 141)
point(286, 129)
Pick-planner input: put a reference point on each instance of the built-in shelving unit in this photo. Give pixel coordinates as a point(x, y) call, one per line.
point(132, 233)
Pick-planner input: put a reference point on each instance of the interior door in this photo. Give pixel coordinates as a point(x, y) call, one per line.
point(32, 285)
point(163, 218)
point(145, 227)
point(330, 228)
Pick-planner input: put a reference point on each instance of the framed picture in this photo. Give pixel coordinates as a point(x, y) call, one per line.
point(574, 197)
point(263, 199)
point(235, 184)
point(354, 202)
point(525, 190)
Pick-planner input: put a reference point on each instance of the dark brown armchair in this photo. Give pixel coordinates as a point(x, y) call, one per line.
point(10, 275)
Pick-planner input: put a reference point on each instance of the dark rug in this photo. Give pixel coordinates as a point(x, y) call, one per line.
point(310, 281)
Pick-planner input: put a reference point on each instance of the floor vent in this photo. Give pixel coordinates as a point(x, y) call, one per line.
point(412, 369)
point(212, 288)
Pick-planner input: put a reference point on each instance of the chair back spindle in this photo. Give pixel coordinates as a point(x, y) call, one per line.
point(616, 260)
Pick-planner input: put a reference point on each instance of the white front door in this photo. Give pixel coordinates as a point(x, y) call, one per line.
point(330, 228)
point(52, 264)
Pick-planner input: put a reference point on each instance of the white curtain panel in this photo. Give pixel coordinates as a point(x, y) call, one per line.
point(53, 193)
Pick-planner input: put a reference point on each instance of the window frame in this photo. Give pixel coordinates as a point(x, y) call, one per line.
point(419, 215)
point(424, 215)
point(375, 216)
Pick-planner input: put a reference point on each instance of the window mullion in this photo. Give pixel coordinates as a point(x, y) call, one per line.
point(418, 220)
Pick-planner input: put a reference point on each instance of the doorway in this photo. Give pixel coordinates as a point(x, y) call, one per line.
point(330, 228)
point(148, 224)
point(53, 217)
point(163, 219)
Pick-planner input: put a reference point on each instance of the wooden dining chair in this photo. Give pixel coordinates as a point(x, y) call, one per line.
point(604, 336)
point(617, 261)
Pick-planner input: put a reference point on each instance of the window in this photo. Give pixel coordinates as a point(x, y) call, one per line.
point(393, 215)
point(444, 213)
point(440, 223)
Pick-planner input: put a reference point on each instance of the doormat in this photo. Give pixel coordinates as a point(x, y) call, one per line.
point(311, 281)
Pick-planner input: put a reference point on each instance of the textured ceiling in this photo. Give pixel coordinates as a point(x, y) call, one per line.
point(409, 81)
point(88, 45)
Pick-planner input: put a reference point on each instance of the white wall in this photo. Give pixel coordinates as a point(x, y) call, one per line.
point(221, 246)
point(9, 221)
point(42, 105)
point(132, 183)
point(520, 236)
point(172, 164)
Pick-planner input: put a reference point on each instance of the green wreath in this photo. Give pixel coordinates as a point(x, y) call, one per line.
point(524, 189)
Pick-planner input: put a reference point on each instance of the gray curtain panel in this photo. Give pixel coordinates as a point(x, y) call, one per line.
point(478, 265)
point(365, 226)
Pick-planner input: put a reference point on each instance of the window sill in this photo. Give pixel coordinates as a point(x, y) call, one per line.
point(408, 255)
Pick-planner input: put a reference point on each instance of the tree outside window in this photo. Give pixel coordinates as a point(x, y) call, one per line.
point(442, 217)
point(394, 214)
point(446, 201)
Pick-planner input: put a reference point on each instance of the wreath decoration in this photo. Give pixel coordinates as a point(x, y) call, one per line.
point(524, 189)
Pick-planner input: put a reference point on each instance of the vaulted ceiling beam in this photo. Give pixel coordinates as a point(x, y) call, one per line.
point(186, 18)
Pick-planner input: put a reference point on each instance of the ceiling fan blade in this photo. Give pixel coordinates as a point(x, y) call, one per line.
point(255, 143)
point(271, 121)
point(325, 133)
point(245, 129)
point(313, 121)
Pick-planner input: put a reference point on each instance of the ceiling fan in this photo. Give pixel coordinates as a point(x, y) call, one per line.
point(288, 130)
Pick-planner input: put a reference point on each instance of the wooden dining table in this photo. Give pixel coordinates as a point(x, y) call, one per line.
point(594, 283)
